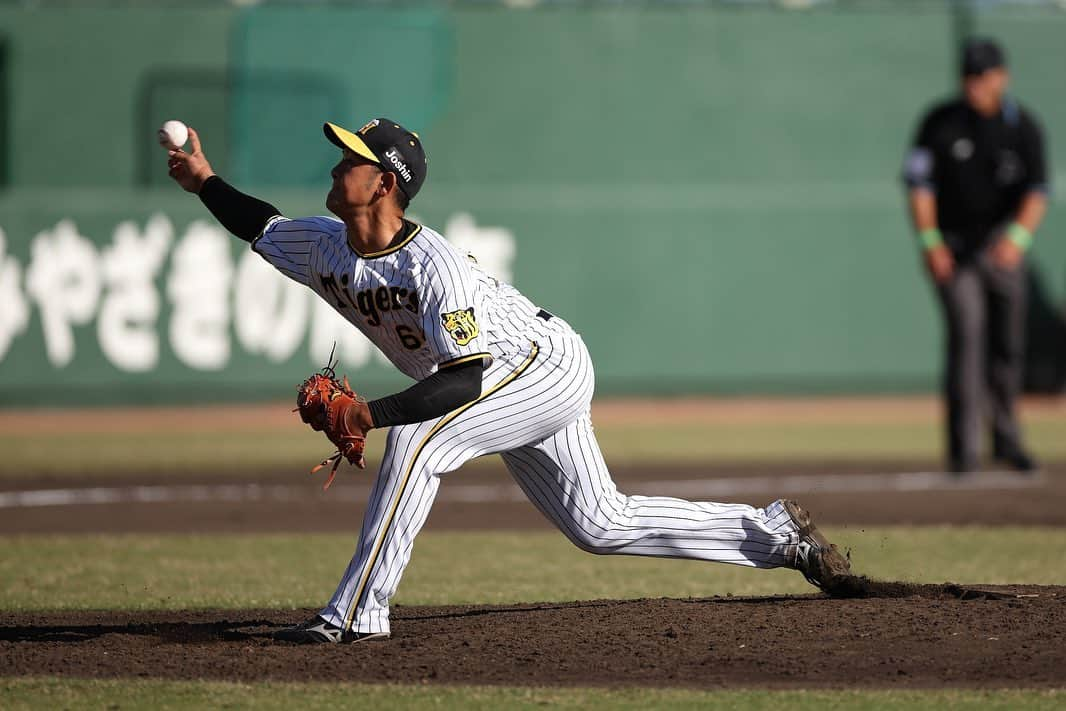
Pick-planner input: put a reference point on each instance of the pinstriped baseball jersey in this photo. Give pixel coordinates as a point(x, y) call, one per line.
point(421, 301)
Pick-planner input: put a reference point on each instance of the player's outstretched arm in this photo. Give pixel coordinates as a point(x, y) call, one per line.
point(243, 215)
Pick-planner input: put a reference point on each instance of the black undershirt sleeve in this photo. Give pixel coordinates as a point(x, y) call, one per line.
point(243, 215)
point(437, 395)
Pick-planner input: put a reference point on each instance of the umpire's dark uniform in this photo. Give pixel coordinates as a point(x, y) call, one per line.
point(980, 167)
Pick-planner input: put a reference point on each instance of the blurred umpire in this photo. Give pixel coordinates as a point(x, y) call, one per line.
point(977, 191)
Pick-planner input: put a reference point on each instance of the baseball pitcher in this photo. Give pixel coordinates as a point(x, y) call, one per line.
point(494, 374)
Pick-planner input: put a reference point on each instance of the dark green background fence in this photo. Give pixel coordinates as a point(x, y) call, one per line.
point(708, 193)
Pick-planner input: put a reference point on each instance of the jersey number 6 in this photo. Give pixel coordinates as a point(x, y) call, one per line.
point(409, 338)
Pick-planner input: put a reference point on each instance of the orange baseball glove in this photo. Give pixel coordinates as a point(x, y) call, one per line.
point(331, 406)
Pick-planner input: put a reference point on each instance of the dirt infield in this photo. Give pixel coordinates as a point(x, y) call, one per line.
point(935, 637)
point(904, 637)
point(901, 637)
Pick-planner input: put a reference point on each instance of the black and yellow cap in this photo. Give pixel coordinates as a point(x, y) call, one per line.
point(388, 144)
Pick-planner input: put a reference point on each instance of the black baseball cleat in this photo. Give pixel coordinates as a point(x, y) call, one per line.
point(818, 559)
point(317, 631)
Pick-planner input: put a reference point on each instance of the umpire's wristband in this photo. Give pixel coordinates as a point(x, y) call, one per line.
point(1020, 235)
point(930, 238)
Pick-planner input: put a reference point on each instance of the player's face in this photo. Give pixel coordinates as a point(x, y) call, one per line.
point(985, 91)
point(355, 180)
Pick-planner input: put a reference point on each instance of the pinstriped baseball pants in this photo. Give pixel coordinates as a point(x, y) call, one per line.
point(534, 411)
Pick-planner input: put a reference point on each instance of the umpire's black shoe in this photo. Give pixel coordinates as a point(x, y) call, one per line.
point(1017, 459)
point(317, 631)
point(961, 467)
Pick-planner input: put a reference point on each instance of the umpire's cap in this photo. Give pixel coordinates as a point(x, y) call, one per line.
point(388, 144)
point(980, 54)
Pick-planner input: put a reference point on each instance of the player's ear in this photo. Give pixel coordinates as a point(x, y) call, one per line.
point(387, 184)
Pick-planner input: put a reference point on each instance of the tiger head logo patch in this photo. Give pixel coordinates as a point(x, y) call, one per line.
point(460, 325)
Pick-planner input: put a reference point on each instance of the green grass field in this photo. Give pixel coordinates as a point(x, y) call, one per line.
point(284, 571)
point(196, 451)
point(291, 571)
point(39, 693)
point(141, 572)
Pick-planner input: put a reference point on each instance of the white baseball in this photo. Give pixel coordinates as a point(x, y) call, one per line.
point(173, 134)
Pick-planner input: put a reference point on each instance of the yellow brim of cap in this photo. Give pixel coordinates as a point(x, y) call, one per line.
point(343, 138)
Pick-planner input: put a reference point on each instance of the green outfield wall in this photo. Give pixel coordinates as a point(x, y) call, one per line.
point(708, 193)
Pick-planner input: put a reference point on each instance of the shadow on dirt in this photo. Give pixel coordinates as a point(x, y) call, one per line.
point(260, 629)
point(948, 635)
point(859, 586)
point(169, 632)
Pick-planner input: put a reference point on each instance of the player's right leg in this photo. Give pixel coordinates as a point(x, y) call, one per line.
point(566, 477)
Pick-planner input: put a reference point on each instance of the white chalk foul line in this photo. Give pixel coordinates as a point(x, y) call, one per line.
point(703, 489)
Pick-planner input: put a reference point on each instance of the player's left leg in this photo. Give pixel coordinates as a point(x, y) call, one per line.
point(522, 400)
point(566, 477)
point(400, 501)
